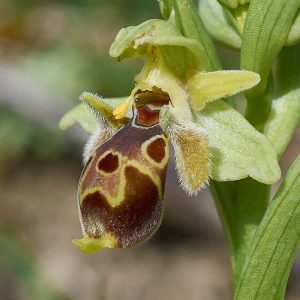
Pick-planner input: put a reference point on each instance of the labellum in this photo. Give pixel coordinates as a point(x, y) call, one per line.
point(122, 184)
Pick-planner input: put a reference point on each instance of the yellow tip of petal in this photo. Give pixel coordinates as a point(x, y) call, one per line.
point(90, 245)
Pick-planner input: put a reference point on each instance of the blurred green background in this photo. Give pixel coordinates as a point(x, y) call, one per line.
point(50, 52)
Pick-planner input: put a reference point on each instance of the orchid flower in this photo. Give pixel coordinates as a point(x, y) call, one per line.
point(174, 101)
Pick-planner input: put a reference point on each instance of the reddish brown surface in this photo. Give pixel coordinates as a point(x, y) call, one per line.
point(146, 116)
point(157, 150)
point(133, 220)
point(109, 163)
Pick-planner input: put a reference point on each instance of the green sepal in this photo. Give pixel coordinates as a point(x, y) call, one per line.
point(219, 22)
point(184, 15)
point(79, 114)
point(86, 117)
point(275, 244)
point(181, 54)
point(237, 149)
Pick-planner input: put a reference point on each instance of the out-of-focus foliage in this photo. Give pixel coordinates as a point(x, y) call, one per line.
point(18, 268)
point(21, 136)
point(60, 48)
point(50, 52)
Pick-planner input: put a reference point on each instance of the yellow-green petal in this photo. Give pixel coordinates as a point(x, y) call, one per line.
point(206, 87)
point(104, 108)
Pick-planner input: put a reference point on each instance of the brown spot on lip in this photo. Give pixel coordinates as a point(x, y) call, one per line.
point(131, 222)
point(146, 116)
point(157, 149)
point(109, 163)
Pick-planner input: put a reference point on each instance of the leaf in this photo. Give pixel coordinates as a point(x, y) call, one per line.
point(219, 23)
point(275, 244)
point(237, 149)
point(233, 3)
point(285, 113)
point(267, 26)
point(206, 87)
point(189, 23)
point(294, 34)
point(284, 120)
point(180, 53)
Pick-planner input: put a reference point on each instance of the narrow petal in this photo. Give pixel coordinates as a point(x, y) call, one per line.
point(104, 109)
point(87, 114)
point(206, 87)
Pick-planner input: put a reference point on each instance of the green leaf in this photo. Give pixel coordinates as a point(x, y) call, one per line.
point(188, 22)
point(237, 149)
point(219, 23)
point(294, 34)
point(284, 120)
point(266, 30)
point(275, 244)
point(285, 114)
point(180, 53)
point(233, 3)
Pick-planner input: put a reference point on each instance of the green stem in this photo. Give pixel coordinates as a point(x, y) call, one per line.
point(241, 206)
